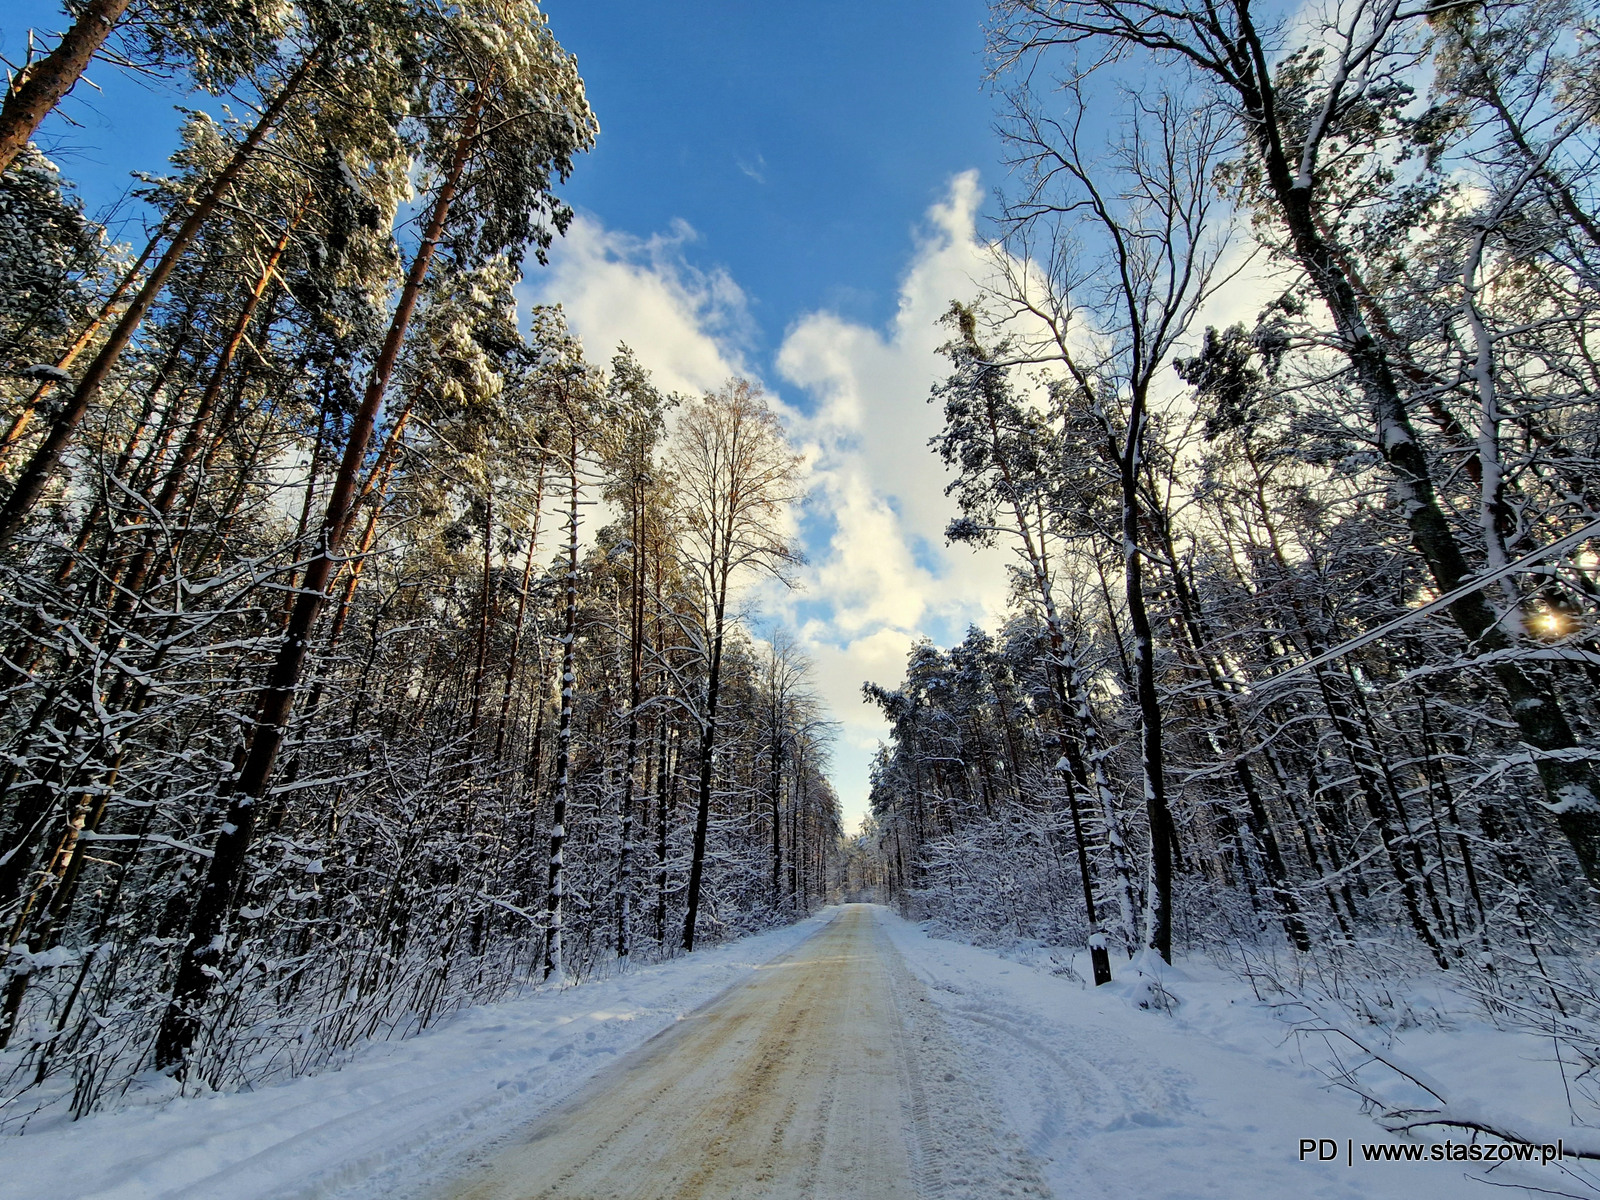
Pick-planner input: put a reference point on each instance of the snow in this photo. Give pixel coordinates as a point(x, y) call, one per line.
point(394, 1122)
point(1573, 798)
point(1169, 1082)
point(1212, 1098)
point(23, 962)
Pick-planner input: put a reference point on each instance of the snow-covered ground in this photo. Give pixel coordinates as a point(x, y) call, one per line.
point(1109, 1099)
point(1212, 1100)
point(400, 1117)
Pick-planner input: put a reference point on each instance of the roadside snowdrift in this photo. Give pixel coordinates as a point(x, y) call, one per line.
point(1119, 1101)
point(401, 1117)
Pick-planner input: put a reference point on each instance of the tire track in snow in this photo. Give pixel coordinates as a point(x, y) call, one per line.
point(965, 1149)
point(828, 1075)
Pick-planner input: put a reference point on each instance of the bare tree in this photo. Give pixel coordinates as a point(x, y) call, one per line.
point(1298, 116)
point(1129, 260)
point(736, 477)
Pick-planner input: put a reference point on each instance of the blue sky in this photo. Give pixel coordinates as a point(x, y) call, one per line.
point(789, 192)
point(801, 141)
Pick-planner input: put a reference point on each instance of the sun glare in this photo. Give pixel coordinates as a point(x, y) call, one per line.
point(1551, 624)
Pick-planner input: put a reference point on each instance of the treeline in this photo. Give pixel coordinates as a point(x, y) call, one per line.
point(365, 651)
point(1202, 721)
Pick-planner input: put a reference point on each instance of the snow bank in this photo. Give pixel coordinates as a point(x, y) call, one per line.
point(1212, 1097)
point(396, 1121)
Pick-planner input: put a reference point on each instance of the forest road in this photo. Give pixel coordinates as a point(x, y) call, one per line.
point(801, 1083)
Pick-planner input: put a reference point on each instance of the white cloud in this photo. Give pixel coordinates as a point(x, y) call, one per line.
point(688, 326)
point(872, 386)
point(879, 574)
point(886, 576)
point(756, 170)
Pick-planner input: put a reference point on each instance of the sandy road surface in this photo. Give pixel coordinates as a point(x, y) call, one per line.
point(797, 1084)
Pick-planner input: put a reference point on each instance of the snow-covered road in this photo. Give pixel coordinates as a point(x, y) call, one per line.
point(849, 1056)
point(791, 1084)
point(801, 1083)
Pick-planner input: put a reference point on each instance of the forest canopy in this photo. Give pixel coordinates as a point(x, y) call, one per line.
point(367, 650)
point(1302, 635)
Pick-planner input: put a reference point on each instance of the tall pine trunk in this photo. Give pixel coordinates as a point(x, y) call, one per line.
point(41, 86)
point(30, 407)
point(36, 473)
point(204, 946)
point(631, 756)
point(555, 897)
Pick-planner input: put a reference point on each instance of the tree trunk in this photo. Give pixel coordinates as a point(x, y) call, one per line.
point(203, 952)
point(774, 800)
point(555, 896)
point(1158, 899)
point(41, 86)
point(631, 756)
point(30, 407)
point(1260, 825)
point(480, 666)
point(36, 473)
point(708, 745)
point(514, 658)
point(666, 801)
point(177, 473)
